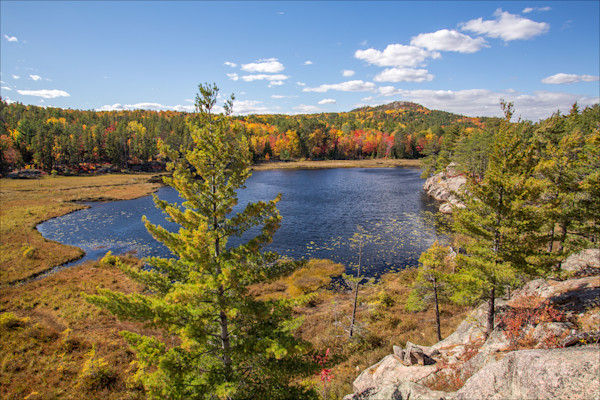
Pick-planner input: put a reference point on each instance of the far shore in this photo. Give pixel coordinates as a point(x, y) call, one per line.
point(322, 164)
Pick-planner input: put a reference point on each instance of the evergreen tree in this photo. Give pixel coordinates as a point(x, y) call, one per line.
point(228, 344)
point(502, 219)
point(430, 286)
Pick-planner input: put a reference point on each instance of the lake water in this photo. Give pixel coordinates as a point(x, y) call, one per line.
point(321, 210)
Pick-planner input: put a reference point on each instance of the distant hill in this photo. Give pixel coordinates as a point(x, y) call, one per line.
point(396, 105)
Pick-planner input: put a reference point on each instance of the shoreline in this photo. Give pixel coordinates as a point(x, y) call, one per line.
point(328, 164)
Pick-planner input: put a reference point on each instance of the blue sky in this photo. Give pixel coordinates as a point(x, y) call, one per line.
point(303, 57)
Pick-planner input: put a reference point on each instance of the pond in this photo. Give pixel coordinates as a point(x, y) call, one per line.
point(321, 210)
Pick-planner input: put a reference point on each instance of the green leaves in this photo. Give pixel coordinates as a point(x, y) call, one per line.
point(224, 342)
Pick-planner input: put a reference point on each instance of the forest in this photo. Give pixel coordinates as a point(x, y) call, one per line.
point(74, 140)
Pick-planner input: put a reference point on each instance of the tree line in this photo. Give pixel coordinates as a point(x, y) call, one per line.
point(532, 198)
point(48, 138)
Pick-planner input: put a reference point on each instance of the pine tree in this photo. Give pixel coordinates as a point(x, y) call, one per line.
point(430, 285)
point(502, 220)
point(224, 344)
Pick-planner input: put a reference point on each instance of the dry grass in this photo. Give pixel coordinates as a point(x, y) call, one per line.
point(44, 352)
point(26, 203)
point(381, 318)
point(308, 164)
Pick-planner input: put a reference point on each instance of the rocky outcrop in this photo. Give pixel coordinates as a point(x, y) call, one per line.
point(586, 262)
point(537, 374)
point(555, 366)
point(444, 186)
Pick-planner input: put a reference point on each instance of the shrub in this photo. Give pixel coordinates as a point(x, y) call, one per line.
point(109, 259)
point(316, 274)
point(9, 321)
point(28, 251)
point(96, 374)
point(527, 311)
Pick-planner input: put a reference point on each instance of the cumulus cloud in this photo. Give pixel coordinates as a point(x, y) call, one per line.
point(484, 102)
point(396, 55)
point(506, 26)
point(243, 107)
point(233, 76)
point(275, 83)
point(307, 62)
point(146, 106)
point(5, 88)
point(403, 75)
point(269, 65)
point(562, 79)
point(328, 101)
point(35, 77)
point(300, 83)
point(347, 73)
point(11, 38)
point(349, 86)
point(16, 77)
point(45, 93)
point(264, 77)
point(230, 64)
point(449, 40)
point(306, 109)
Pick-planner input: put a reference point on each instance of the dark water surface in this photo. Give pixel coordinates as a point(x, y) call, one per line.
point(321, 210)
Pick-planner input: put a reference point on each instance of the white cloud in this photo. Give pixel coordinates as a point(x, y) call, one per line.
point(506, 26)
point(328, 101)
point(530, 9)
point(347, 73)
point(280, 96)
point(403, 75)
point(367, 99)
point(45, 93)
point(5, 88)
point(35, 77)
point(242, 107)
point(562, 79)
point(275, 83)
point(230, 64)
point(300, 83)
point(269, 65)
point(483, 102)
point(11, 38)
point(306, 109)
point(307, 62)
point(447, 40)
point(233, 76)
point(396, 55)
point(349, 86)
point(264, 77)
point(16, 76)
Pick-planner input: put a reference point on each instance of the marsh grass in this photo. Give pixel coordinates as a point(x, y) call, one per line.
point(25, 203)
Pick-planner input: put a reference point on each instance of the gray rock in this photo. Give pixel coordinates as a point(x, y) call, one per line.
point(538, 374)
point(403, 391)
point(586, 262)
point(390, 371)
point(414, 355)
point(398, 351)
point(443, 186)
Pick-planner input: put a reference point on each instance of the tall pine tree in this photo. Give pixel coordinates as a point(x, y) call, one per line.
point(224, 343)
point(502, 220)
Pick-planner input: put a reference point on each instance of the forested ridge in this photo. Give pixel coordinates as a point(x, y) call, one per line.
point(47, 138)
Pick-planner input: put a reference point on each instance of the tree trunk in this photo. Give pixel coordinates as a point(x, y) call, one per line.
point(491, 313)
point(356, 292)
point(437, 310)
